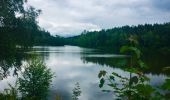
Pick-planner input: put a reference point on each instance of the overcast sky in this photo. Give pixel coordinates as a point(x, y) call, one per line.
point(71, 17)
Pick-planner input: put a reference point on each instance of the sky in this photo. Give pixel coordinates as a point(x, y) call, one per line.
point(71, 17)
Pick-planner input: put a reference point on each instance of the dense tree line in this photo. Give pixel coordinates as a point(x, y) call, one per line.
point(150, 37)
point(44, 38)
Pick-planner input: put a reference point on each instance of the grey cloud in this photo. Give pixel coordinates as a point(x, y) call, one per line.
point(163, 5)
point(65, 17)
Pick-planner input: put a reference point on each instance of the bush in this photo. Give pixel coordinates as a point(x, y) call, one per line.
point(35, 81)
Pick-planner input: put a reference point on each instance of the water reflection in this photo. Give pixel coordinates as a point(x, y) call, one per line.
point(11, 64)
point(155, 63)
point(10, 67)
point(69, 69)
point(74, 64)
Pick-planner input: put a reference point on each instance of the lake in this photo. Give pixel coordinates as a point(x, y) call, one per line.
point(72, 64)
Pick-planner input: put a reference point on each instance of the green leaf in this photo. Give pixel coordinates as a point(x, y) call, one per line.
point(115, 74)
point(106, 90)
point(112, 85)
point(142, 64)
point(101, 83)
point(131, 70)
point(112, 78)
point(102, 73)
point(134, 80)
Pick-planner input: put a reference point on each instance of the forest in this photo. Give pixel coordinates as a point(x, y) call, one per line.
point(150, 37)
point(20, 33)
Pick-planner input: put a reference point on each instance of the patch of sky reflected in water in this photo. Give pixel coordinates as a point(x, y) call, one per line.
point(68, 66)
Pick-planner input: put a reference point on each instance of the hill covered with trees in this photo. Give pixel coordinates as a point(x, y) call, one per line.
point(150, 37)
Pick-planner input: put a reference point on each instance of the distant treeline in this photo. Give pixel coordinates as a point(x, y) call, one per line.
point(150, 37)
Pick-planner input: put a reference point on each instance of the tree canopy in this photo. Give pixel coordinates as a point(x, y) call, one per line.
point(151, 37)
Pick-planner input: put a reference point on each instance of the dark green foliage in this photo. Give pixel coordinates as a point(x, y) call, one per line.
point(166, 85)
point(35, 81)
point(16, 30)
point(43, 38)
point(19, 27)
point(102, 73)
point(8, 10)
point(150, 37)
point(102, 81)
point(145, 90)
point(133, 80)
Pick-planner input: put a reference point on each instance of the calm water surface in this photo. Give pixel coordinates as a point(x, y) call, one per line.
point(72, 64)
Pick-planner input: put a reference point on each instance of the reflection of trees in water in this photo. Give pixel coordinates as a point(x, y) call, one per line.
point(111, 62)
point(42, 52)
point(76, 92)
point(155, 62)
point(11, 61)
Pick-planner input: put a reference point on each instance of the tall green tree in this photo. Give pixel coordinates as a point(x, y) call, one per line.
point(18, 24)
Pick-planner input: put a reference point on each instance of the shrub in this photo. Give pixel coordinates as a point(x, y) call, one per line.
point(35, 80)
